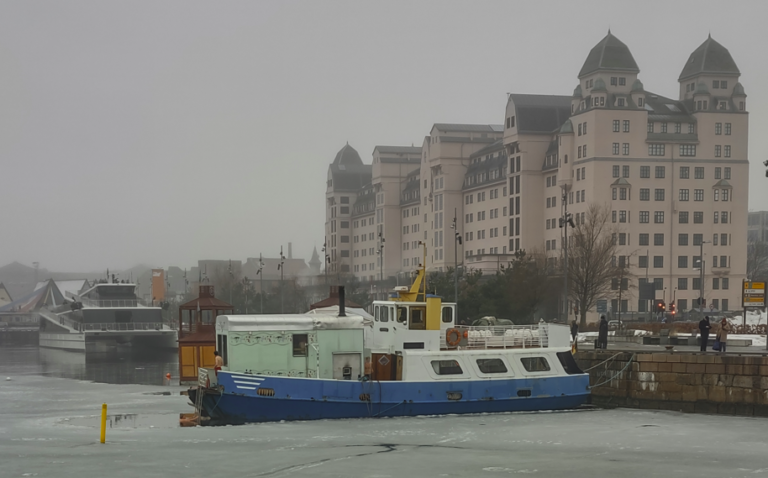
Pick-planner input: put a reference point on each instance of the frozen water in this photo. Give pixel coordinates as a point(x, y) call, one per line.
point(49, 427)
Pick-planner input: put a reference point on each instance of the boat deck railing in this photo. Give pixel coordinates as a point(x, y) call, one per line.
point(114, 303)
point(504, 336)
point(120, 326)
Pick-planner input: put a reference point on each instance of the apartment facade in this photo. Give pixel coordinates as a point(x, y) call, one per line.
point(672, 172)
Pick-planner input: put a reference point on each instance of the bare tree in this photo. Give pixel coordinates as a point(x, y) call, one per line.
point(591, 250)
point(757, 260)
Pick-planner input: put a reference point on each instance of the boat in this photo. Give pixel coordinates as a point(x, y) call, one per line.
point(104, 317)
point(410, 358)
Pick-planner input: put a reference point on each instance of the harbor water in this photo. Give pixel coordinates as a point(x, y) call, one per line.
point(50, 404)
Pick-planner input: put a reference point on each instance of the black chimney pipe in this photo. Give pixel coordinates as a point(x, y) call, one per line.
point(342, 305)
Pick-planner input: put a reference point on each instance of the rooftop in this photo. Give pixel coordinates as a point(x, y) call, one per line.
point(609, 54)
point(710, 57)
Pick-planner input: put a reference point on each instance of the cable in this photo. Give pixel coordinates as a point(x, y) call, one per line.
point(606, 360)
point(390, 408)
point(629, 362)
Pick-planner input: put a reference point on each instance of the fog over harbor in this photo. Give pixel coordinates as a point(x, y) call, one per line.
point(162, 133)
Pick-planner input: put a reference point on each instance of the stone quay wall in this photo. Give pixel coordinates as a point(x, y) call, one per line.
point(680, 381)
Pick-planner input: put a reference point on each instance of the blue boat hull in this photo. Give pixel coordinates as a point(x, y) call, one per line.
point(314, 399)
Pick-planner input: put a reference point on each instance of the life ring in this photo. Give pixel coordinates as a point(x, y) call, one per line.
point(453, 337)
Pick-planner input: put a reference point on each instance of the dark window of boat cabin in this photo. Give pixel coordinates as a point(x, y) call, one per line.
point(376, 313)
point(221, 347)
point(447, 367)
point(418, 318)
point(493, 365)
point(384, 314)
point(448, 315)
point(568, 363)
point(299, 345)
point(535, 364)
point(402, 314)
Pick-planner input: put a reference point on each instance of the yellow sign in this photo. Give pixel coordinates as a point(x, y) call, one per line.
point(753, 294)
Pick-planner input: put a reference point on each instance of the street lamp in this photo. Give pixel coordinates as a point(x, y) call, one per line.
point(701, 277)
point(281, 267)
point(564, 221)
point(458, 242)
point(380, 252)
point(261, 283)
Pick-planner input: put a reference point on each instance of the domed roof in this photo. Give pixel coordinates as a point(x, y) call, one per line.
point(701, 89)
point(577, 93)
point(637, 86)
point(599, 86)
point(567, 127)
point(709, 57)
point(347, 156)
point(609, 54)
point(738, 90)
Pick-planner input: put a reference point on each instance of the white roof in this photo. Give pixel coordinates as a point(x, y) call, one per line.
point(252, 323)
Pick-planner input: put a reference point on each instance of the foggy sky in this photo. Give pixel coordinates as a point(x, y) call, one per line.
point(162, 132)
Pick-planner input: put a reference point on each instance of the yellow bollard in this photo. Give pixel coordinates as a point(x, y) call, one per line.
point(104, 423)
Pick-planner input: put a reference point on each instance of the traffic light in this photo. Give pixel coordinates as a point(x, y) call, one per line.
point(660, 306)
point(672, 308)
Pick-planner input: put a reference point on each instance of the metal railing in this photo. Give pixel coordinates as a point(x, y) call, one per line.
point(120, 326)
point(504, 336)
point(114, 303)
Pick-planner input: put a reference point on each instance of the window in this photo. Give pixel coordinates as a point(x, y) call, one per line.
point(726, 283)
point(723, 239)
point(621, 102)
point(715, 283)
point(718, 151)
point(717, 194)
point(493, 365)
point(658, 283)
point(687, 150)
point(682, 283)
point(622, 216)
point(718, 173)
point(682, 262)
point(724, 217)
point(623, 81)
point(658, 194)
point(660, 172)
point(698, 172)
point(682, 239)
point(697, 238)
point(622, 239)
point(625, 149)
point(691, 128)
point(658, 262)
point(698, 194)
point(645, 217)
point(626, 126)
point(683, 217)
point(447, 367)
point(300, 345)
point(685, 172)
point(727, 151)
point(677, 128)
point(663, 127)
point(645, 194)
point(658, 217)
point(642, 262)
point(658, 239)
point(725, 304)
point(715, 84)
point(623, 194)
point(614, 81)
point(696, 283)
point(615, 148)
point(698, 217)
point(535, 364)
point(656, 150)
point(615, 126)
point(718, 128)
point(644, 239)
point(615, 170)
point(650, 127)
point(727, 129)
point(727, 173)
point(645, 171)
point(683, 195)
point(725, 195)
point(579, 129)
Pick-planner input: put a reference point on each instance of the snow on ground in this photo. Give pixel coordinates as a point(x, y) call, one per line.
point(753, 318)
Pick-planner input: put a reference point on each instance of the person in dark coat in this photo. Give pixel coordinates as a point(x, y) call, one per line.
point(704, 327)
point(602, 335)
point(575, 335)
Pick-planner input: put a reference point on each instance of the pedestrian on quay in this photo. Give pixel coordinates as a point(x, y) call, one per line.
point(725, 327)
point(704, 327)
point(602, 334)
point(575, 335)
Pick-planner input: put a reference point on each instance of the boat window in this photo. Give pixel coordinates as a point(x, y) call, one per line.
point(221, 347)
point(447, 367)
point(384, 315)
point(493, 365)
point(535, 364)
point(299, 345)
point(569, 364)
point(376, 313)
point(401, 314)
point(448, 315)
point(417, 318)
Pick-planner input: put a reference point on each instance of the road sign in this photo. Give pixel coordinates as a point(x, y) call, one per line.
point(753, 294)
point(602, 306)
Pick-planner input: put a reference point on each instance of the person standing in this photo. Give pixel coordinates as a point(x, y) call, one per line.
point(575, 335)
point(602, 335)
point(218, 362)
point(725, 327)
point(704, 327)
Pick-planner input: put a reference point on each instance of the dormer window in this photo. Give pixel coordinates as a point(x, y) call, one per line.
point(640, 102)
point(723, 84)
point(722, 105)
point(622, 81)
point(614, 81)
point(602, 101)
point(621, 102)
point(715, 84)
